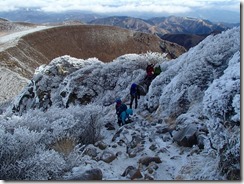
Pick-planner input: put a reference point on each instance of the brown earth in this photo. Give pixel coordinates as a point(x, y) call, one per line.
point(81, 41)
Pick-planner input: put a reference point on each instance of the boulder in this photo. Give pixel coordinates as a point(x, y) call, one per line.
point(101, 145)
point(110, 126)
point(91, 151)
point(92, 174)
point(117, 134)
point(107, 156)
point(132, 173)
point(186, 136)
point(147, 160)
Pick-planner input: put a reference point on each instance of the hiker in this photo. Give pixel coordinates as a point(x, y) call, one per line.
point(120, 107)
point(125, 115)
point(150, 75)
point(135, 94)
point(150, 71)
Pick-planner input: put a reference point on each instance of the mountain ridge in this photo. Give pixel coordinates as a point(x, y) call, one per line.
point(162, 25)
point(197, 93)
point(23, 49)
point(83, 41)
point(36, 15)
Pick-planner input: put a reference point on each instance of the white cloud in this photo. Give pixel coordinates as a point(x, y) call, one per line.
point(111, 6)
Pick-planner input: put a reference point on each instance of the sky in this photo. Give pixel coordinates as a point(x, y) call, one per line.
point(112, 6)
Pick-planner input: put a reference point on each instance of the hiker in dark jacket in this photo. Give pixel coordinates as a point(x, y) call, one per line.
point(120, 107)
point(135, 94)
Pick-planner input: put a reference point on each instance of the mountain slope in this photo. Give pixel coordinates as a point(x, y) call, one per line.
point(200, 90)
point(186, 25)
point(162, 25)
point(81, 41)
point(188, 32)
point(185, 40)
point(25, 47)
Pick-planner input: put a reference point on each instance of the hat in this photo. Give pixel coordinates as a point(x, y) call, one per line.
point(133, 85)
point(118, 100)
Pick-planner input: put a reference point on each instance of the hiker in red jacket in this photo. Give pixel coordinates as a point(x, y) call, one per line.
point(150, 75)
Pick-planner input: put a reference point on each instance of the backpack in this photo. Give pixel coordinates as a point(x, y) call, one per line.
point(133, 89)
point(157, 70)
point(122, 108)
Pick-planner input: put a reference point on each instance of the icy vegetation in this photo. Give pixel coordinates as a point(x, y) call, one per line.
point(63, 125)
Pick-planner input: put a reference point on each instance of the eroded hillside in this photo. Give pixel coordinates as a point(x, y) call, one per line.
point(80, 41)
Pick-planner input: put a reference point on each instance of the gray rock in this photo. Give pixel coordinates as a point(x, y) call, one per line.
point(186, 136)
point(107, 156)
point(117, 134)
point(92, 174)
point(91, 151)
point(132, 173)
point(147, 160)
point(153, 147)
point(101, 145)
point(110, 126)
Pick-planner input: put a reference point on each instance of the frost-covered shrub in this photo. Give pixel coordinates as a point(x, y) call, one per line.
point(186, 78)
point(219, 97)
point(29, 148)
point(43, 165)
point(222, 105)
point(16, 146)
point(91, 125)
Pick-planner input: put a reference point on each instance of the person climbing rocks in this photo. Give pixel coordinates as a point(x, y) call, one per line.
point(150, 71)
point(135, 94)
point(150, 75)
point(120, 107)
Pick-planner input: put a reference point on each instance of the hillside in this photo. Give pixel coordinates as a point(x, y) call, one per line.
point(186, 25)
point(7, 27)
point(81, 41)
point(185, 40)
point(23, 51)
point(162, 25)
point(185, 31)
point(63, 125)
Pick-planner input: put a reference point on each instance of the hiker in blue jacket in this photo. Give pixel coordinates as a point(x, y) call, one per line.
point(135, 94)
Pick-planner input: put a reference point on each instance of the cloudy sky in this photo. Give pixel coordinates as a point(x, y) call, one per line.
point(113, 6)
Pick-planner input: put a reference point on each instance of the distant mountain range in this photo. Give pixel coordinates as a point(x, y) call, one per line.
point(37, 16)
point(40, 17)
point(185, 31)
point(162, 25)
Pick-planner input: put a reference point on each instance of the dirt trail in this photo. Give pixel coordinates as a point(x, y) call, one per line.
point(11, 38)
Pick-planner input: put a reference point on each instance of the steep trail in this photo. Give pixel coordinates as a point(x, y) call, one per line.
point(141, 140)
